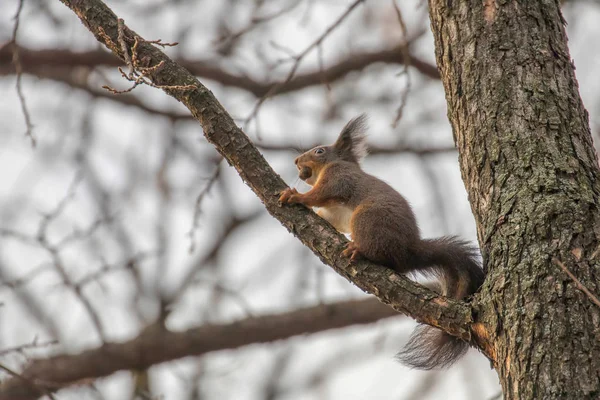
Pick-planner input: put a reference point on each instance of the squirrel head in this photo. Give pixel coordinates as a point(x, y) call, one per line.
point(350, 146)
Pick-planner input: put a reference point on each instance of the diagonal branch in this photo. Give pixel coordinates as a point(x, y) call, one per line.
point(220, 130)
point(157, 344)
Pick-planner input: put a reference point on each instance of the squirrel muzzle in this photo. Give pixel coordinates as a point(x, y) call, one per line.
point(304, 172)
point(309, 168)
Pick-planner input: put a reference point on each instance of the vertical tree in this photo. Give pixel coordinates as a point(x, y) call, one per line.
point(531, 172)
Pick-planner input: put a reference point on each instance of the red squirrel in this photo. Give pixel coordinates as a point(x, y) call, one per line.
point(384, 230)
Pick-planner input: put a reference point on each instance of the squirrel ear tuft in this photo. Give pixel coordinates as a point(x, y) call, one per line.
point(352, 142)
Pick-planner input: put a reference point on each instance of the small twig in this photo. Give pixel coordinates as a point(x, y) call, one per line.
point(116, 91)
point(33, 345)
point(328, 95)
point(197, 210)
point(144, 78)
point(320, 39)
point(124, 49)
point(49, 217)
point(77, 290)
point(19, 71)
point(322, 68)
point(400, 19)
point(27, 278)
point(219, 290)
point(279, 47)
point(27, 381)
point(54, 252)
point(255, 22)
point(20, 236)
point(81, 234)
point(160, 43)
point(580, 285)
point(105, 269)
point(137, 74)
point(107, 40)
point(298, 59)
point(405, 70)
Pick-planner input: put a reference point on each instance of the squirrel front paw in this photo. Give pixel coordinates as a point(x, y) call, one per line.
point(288, 196)
point(351, 251)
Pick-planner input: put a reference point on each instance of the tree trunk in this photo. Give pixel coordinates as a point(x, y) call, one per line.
point(531, 173)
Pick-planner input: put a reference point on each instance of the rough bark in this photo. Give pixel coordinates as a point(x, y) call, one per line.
point(157, 344)
point(531, 172)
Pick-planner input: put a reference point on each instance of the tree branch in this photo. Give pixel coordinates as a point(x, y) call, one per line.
point(157, 344)
point(220, 130)
point(36, 61)
point(80, 81)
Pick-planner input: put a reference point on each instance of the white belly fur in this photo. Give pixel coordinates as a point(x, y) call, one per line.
point(338, 216)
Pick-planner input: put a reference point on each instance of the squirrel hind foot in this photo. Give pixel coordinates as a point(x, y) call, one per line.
point(351, 252)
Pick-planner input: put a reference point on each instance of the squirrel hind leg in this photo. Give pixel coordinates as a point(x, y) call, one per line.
point(384, 237)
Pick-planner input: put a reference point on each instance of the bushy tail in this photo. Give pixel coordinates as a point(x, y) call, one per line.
point(454, 262)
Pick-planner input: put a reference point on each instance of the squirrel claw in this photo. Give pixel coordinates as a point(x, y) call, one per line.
point(351, 251)
point(285, 196)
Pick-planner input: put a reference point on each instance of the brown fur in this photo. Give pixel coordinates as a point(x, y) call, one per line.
point(384, 230)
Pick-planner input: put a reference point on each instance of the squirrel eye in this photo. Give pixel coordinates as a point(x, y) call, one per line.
point(319, 151)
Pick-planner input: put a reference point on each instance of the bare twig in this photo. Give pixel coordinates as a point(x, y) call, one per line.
point(144, 78)
point(197, 209)
point(405, 70)
point(107, 269)
point(19, 71)
point(256, 21)
point(28, 346)
point(580, 285)
point(297, 59)
point(57, 262)
point(209, 256)
point(125, 49)
point(81, 234)
point(138, 74)
point(319, 40)
point(26, 278)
